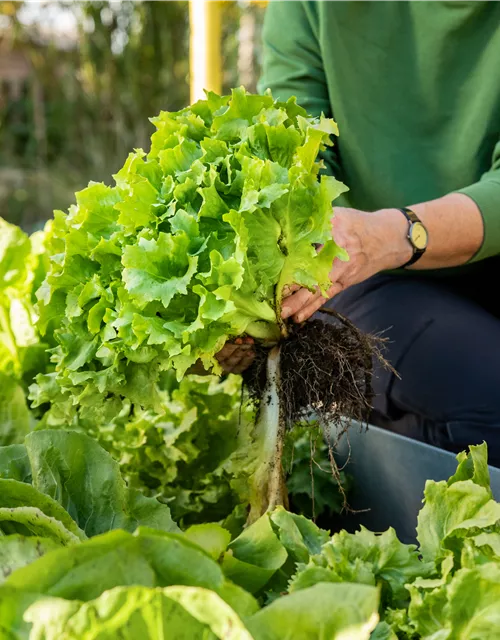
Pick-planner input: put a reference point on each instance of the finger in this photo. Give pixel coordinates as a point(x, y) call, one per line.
point(306, 312)
point(241, 352)
point(244, 364)
point(296, 301)
point(237, 359)
point(238, 352)
point(288, 289)
point(232, 362)
point(304, 301)
point(338, 268)
point(227, 350)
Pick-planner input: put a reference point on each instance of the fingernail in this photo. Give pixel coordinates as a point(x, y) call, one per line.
point(285, 312)
point(299, 318)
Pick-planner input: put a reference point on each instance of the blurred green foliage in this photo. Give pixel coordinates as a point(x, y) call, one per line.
point(90, 89)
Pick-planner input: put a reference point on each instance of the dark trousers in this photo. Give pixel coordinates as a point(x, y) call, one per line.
point(444, 341)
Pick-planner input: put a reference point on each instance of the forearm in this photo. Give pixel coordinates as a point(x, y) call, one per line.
point(455, 229)
point(378, 241)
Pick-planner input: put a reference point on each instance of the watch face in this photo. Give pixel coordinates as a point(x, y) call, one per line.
point(418, 235)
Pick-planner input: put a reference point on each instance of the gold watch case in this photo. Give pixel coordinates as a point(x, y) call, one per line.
point(417, 235)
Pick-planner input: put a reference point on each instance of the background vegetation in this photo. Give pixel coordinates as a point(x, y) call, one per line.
point(79, 80)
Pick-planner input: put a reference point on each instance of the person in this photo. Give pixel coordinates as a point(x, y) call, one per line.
point(415, 89)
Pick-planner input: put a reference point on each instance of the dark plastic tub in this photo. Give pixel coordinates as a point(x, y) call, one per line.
point(389, 474)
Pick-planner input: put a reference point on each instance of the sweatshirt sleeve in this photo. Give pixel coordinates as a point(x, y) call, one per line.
point(293, 62)
point(486, 194)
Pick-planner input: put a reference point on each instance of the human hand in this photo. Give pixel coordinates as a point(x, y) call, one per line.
point(235, 357)
point(374, 242)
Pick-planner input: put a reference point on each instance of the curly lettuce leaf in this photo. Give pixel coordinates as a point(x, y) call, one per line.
point(23, 262)
point(459, 508)
point(365, 558)
point(192, 452)
point(465, 606)
point(191, 247)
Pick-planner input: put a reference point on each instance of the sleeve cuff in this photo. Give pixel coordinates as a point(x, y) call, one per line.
point(486, 194)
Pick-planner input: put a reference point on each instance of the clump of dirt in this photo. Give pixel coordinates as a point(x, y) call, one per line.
point(326, 368)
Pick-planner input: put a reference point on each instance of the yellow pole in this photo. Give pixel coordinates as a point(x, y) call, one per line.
point(205, 47)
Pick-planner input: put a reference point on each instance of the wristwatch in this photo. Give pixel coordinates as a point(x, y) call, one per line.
point(417, 235)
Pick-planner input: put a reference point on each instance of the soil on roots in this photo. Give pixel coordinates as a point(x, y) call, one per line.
point(326, 368)
point(325, 373)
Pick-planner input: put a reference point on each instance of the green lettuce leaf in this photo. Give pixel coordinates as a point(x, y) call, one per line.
point(16, 419)
point(266, 553)
point(211, 537)
point(13, 605)
point(76, 472)
point(18, 551)
point(365, 558)
point(333, 611)
point(383, 631)
point(136, 612)
point(254, 556)
point(25, 510)
point(149, 558)
point(190, 451)
point(14, 463)
point(458, 508)
point(467, 606)
point(23, 354)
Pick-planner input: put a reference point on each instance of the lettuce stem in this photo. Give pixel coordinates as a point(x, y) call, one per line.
point(268, 486)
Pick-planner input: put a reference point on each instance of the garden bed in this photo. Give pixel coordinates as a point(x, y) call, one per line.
point(389, 473)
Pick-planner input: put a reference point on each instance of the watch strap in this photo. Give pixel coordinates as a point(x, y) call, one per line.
point(412, 218)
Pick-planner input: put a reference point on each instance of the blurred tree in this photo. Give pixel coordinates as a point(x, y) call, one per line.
point(88, 96)
point(94, 72)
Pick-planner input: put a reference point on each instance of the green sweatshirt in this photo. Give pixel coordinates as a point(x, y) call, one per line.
point(415, 89)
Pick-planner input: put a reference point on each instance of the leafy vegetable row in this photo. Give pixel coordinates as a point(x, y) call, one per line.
point(83, 556)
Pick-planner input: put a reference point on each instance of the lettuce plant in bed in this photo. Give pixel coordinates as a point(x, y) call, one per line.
point(193, 246)
point(23, 353)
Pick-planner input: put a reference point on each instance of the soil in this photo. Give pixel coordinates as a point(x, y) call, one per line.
point(326, 373)
point(326, 368)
